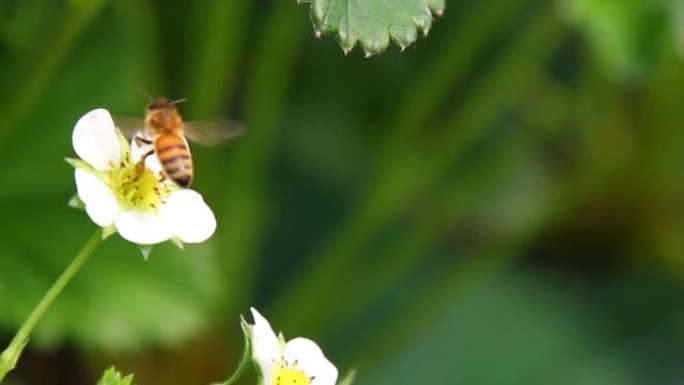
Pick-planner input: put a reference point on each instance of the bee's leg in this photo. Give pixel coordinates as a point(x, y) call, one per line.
point(145, 155)
point(139, 140)
point(141, 163)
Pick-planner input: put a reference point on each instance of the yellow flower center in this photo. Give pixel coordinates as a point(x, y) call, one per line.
point(284, 374)
point(136, 187)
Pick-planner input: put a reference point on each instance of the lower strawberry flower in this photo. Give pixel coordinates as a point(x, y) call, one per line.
point(296, 362)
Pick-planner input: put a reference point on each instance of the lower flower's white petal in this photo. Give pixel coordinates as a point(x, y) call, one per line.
point(100, 203)
point(137, 151)
point(265, 345)
point(142, 227)
point(311, 360)
point(95, 140)
point(191, 218)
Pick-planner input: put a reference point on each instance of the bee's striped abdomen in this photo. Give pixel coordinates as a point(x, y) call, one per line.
point(174, 156)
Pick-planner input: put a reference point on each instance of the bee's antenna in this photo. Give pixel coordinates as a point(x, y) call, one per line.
point(145, 94)
point(181, 100)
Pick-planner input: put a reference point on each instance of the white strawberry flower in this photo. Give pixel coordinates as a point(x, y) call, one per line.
point(120, 194)
point(296, 362)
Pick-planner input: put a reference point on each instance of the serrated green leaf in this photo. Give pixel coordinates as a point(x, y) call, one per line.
point(112, 376)
point(372, 23)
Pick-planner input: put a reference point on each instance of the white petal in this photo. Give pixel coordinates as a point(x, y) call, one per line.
point(100, 203)
point(95, 140)
point(143, 228)
point(265, 345)
point(152, 162)
point(137, 151)
point(188, 214)
point(311, 360)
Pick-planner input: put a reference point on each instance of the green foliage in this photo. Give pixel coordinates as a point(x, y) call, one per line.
point(484, 335)
point(371, 205)
point(113, 290)
point(373, 23)
point(112, 376)
point(629, 35)
point(117, 300)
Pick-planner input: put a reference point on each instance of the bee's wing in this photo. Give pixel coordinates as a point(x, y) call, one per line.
point(212, 132)
point(129, 126)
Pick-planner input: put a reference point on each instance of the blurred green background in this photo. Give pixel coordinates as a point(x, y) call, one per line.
point(501, 203)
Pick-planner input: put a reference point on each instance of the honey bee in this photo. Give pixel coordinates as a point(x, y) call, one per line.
point(164, 133)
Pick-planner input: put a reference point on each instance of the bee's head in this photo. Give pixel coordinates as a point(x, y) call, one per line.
point(162, 114)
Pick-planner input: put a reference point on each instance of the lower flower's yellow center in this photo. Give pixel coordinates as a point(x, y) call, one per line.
point(284, 374)
point(136, 186)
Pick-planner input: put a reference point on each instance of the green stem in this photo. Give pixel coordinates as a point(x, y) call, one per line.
point(246, 359)
point(245, 363)
point(9, 357)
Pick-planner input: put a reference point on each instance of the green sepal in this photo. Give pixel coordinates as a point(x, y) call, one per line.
point(108, 231)
point(76, 202)
point(246, 328)
point(112, 376)
point(124, 145)
point(145, 250)
point(348, 378)
point(177, 241)
point(281, 341)
point(77, 163)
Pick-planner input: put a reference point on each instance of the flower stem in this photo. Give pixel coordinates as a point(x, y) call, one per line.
point(9, 357)
point(246, 359)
